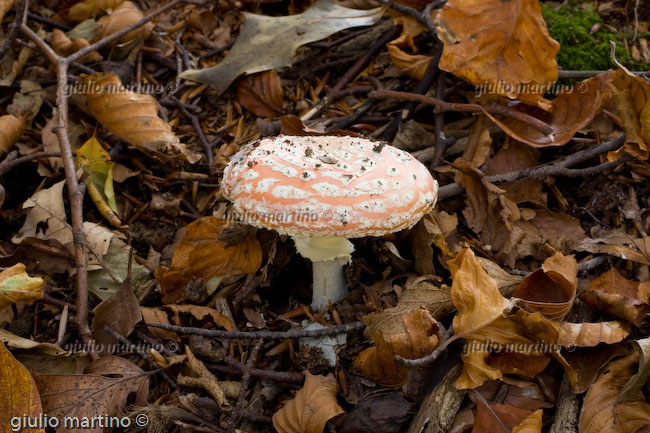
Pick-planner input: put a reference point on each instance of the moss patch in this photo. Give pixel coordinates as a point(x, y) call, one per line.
point(578, 49)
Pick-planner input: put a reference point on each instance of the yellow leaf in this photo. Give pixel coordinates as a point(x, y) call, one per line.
point(532, 424)
point(311, 408)
point(20, 395)
point(16, 285)
point(502, 44)
point(96, 163)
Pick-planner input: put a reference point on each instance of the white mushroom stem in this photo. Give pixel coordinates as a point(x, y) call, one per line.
point(328, 256)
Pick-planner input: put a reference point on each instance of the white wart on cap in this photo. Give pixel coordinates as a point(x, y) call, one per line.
point(322, 190)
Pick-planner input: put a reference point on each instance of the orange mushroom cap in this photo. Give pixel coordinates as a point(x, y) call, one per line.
point(328, 186)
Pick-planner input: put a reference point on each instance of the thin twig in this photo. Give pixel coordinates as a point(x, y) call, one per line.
point(266, 335)
point(11, 161)
point(559, 168)
point(237, 369)
point(245, 382)
point(21, 10)
point(541, 126)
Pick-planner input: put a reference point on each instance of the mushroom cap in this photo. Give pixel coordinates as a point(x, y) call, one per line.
point(328, 186)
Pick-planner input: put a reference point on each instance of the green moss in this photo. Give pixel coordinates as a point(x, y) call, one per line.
point(578, 49)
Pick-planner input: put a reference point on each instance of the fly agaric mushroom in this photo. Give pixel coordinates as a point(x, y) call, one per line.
point(324, 190)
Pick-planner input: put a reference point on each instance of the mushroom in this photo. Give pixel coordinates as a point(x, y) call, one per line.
point(324, 190)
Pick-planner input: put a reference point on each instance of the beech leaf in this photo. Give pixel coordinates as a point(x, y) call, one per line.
point(311, 408)
point(600, 410)
point(103, 390)
point(201, 254)
point(261, 93)
point(270, 42)
point(501, 44)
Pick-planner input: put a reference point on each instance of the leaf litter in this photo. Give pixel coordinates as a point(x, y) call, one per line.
point(526, 286)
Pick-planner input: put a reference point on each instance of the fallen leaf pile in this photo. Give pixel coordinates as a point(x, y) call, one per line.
point(131, 289)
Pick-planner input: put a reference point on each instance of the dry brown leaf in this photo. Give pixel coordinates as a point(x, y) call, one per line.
point(103, 390)
point(480, 307)
point(626, 299)
point(492, 419)
point(120, 312)
point(638, 381)
point(550, 290)
point(156, 315)
point(418, 292)
point(505, 45)
point(17, 286)
point(132, 116)
point(632, 97)
point(617, 243)
point(201, 254)
point(17, 342)
point(64, 46)
point(200, 313)
point(413, 65)
point(20, 395)
point(532, 424)
point(261, 93)
point(414, 335)
point(311, 408)
point(591, 334)
point(516, 156)
point(587, 362)
point(600, 411)
point(121, 17)
point(11, 128)
point(570, 112)
point(89, 8)
point(478, 143)
point(205, 379)
point(5, 6)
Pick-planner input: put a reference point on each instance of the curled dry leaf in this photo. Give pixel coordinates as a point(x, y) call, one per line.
point(311, 408)
point(550, 290)
point(570, 112)
point(416, 335)
point(11, 128)
point(103, 390)
point(413, 65)
point(16, 285)
point(633, 386)
point(16, 383)
point(626, 299)
point(132, 116)
point(502, 45)
point(200, 313)
point(203, 255)
point(121, 17)
point(600, 410)
point(261, 93)
point(64, 46)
